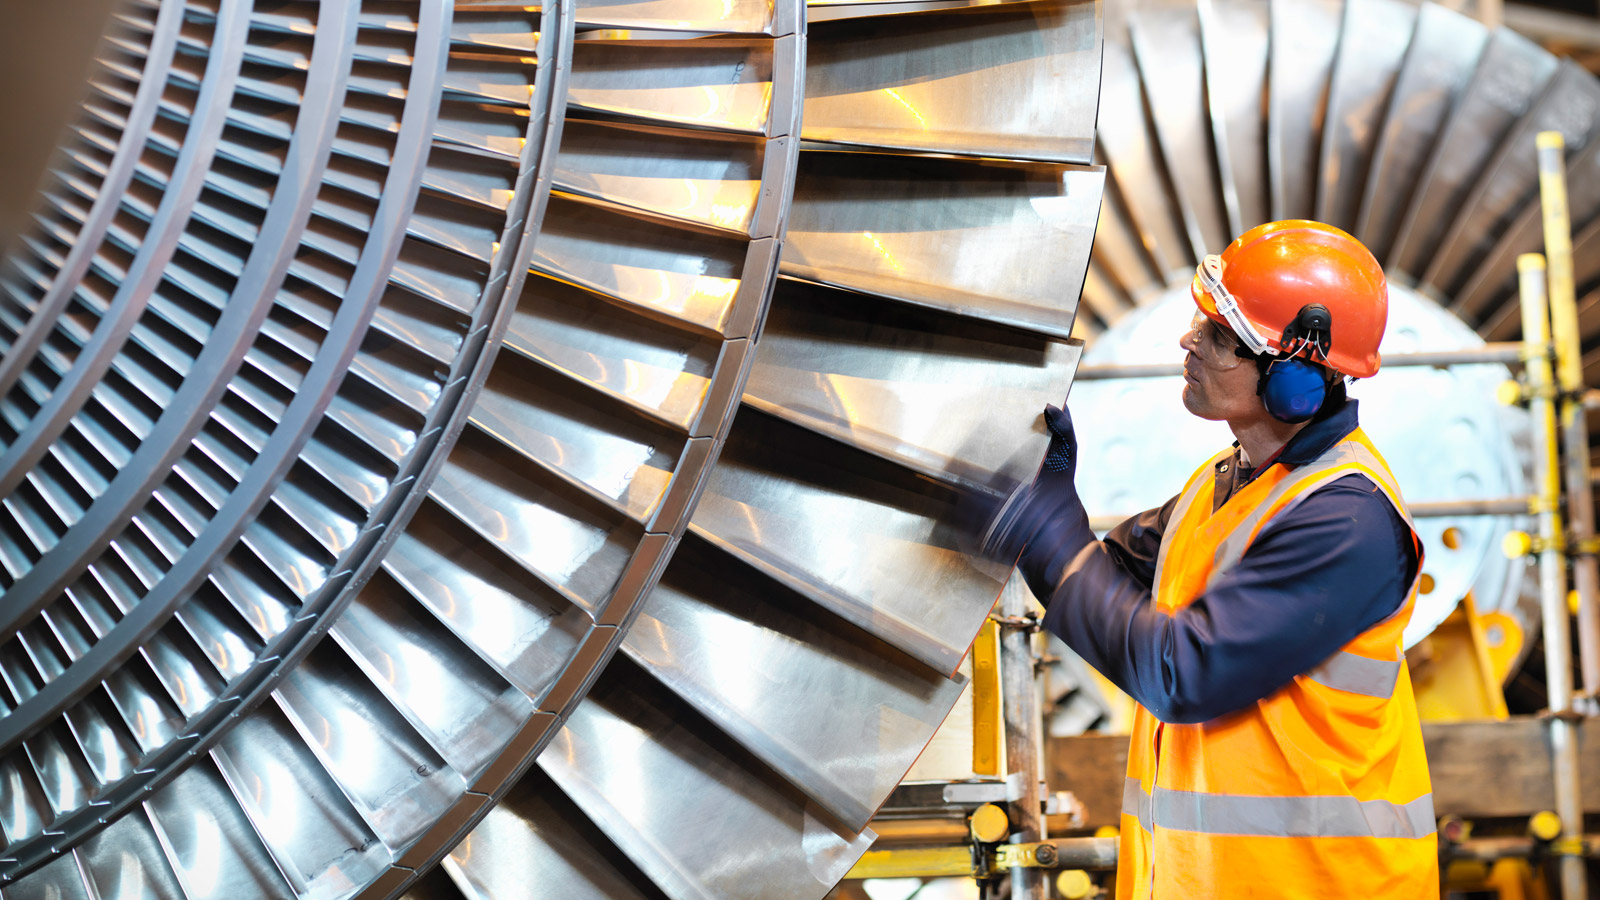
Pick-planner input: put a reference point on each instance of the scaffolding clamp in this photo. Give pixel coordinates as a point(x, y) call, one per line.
point(1036, 855)
point(1586, 704)
point(1532, 350)
point(1572, 845)
point(1029, 622)
point(1520, 543)
point(1571, 715)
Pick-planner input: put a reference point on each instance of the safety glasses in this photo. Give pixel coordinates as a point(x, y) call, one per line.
point(1212, 347)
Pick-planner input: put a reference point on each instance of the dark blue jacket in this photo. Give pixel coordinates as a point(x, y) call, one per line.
point(1316, 576)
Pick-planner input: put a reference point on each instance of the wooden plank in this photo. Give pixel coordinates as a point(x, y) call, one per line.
point(1092, 767)
point(1503, 768)
point(1479, 769)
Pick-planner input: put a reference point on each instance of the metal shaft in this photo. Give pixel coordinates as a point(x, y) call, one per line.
point(1023, 730)
point(1552, 566)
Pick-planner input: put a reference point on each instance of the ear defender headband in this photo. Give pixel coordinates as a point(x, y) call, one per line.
point(1291, 388)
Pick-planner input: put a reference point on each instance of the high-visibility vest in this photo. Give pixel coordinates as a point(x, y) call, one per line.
point(1320, 789)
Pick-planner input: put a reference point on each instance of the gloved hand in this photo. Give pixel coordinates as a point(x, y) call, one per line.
point(1061, 458)
point(1044, 522)
point(1013, 523)
point(1063, 524)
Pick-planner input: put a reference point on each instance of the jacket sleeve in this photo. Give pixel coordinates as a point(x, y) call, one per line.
point(1135, 544)
point(1315, 577)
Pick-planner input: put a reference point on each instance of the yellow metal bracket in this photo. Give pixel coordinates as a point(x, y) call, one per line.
point(934, 862)
point(1456, 678)
point(988, 724)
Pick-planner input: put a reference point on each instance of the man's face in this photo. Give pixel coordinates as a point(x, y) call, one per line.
point(1218, 384)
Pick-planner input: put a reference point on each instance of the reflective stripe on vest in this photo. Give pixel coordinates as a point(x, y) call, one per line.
point(1136, 803)
point(1357, 674)
point(1297, 817)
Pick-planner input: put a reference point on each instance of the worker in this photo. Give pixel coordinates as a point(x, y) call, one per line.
point(1256, 617)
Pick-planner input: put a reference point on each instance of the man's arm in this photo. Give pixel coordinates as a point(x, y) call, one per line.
point(1135, 543)
point(1314, 579)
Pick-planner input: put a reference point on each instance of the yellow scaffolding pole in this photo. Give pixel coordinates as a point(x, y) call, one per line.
point(1552, 565)
point(1569, 378)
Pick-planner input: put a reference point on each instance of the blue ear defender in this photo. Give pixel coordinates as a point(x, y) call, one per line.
point(1294, 389)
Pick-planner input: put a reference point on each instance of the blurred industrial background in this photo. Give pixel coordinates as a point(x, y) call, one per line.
point(44, 57)
point(478, 450)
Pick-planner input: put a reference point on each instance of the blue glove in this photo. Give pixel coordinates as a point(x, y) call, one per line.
point(1063, 524)
point(1043, 523)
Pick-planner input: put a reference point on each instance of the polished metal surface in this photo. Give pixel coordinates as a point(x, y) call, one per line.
point(1236, 40)
point(715, 83)
point(1510, 74)
point(969, 81)
point(1570, 104)
point(1374, 36)
point(906, 384)
point(1304, 38)
point(372, 364)
point(538, 836)
point(1439, 60)
point(1167, 47)
point(627, 728)
point(677, 174)
point(844, 747)
point(772, 471)
point(953, 235)
point(1492, 282)
point(1133, 163)
point(350, 224)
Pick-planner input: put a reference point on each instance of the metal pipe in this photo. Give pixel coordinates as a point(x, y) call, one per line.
point(1499, 352)
point(1085, 853)
point(1436, 509)
point(1498, 506)
point(1552, 568)
point(1574, 424)
point(1490, 849)
point(1023, 730)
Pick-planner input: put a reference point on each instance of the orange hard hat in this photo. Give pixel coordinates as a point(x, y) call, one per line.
point(1259, 286)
